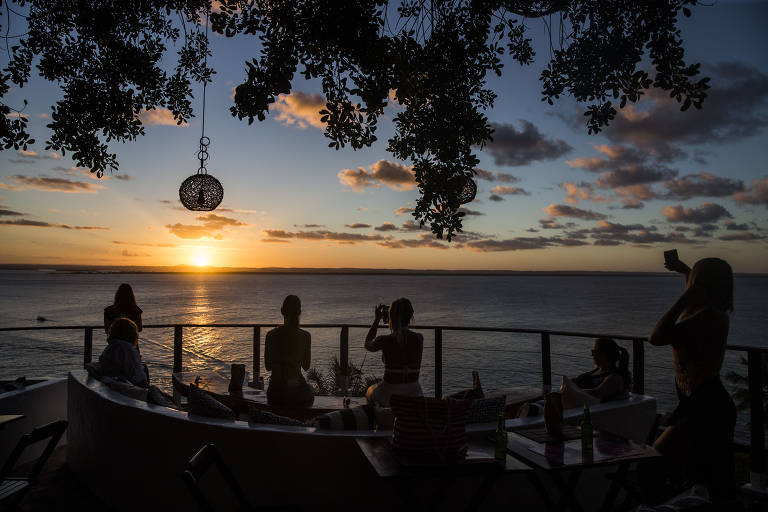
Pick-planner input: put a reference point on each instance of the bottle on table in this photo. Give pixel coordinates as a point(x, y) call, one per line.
point(586, 431)
point(500, 452)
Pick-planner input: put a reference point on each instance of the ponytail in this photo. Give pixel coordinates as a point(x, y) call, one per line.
point(624, 368)
point(400, 314)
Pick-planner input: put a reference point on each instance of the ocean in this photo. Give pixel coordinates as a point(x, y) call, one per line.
point(602, 304)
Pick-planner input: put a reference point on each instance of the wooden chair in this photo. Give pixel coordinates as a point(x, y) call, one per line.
point(200, 464)
point(12, 489)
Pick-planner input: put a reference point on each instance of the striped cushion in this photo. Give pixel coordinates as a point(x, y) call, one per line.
point(203, 404)
point(430, 426)
point(356, 418)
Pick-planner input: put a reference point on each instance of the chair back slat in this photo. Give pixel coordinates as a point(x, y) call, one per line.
point(198, 465)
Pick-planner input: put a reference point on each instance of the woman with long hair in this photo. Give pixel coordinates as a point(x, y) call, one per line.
point(401, 353)
point(124, 306)
point(699, 435)
point(288, 349)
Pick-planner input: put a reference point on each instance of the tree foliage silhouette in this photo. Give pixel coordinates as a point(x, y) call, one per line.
point(435, 55)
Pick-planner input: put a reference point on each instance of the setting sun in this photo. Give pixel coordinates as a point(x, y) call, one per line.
point(201, 260)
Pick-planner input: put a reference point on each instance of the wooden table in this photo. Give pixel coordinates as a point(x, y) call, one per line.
point(218, 385)
point(553, 458)
point(9, 418)
point(479, 462)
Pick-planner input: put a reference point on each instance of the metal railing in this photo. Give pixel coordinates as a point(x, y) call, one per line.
point(755, 377)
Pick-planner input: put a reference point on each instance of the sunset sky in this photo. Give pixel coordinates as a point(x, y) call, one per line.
point(550, 196)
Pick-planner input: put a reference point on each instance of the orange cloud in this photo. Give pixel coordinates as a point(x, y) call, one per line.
point(391, 174)
point(159, 117)
point(48, 184)
point(300, 109)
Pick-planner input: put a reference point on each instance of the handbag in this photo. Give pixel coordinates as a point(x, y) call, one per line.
point(429, 431)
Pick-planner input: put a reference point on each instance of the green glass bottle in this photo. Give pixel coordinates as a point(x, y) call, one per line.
point(500, 453)
point(586, 431)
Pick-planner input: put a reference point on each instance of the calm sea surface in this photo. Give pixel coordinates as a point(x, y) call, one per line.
point(627, 305)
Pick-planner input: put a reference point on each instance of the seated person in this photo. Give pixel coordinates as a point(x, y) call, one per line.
point(121, 355)
point(608, 380)
point(288, 349)
point(401, 352)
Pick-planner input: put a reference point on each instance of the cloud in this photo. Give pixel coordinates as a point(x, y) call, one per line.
point(550, 224)
point(10, 213)
point(393, 175)
point(562, 210)
point(274, 241)
point(309, 226)
point(514, 147)
point(211, 228)
point(142, 244)
point(706, 212)
point(410, 225)
point(387, 226)
point(505, 190)
point(418, 243)
point(34, 155)
point(702, 185)
point(403, 210)
point(495, 176)
point(217, 222)
point(300, 109)
point(43, 224)
point(159, 117)
point(521, 244)
point(583, 191)
point(745, 236)
point(49, 184)
point(731, 112)
point(192, 232)
point(470, 213)
point(757, 194)
point(634, 174)
point(358, 225)
point(494, 197)
point(323, 235)
point(733, 226)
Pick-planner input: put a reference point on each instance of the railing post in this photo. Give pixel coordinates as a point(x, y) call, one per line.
point(438, 363)
point(177, 337)
point(546, 360)
point(256, 355)
point(756, 419)
point(88, 346)
point(638, 366)
point(344, 357)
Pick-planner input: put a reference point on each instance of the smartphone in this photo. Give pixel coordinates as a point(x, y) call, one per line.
point(670, 256)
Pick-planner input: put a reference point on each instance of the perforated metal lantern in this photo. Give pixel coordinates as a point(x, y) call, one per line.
point(467, 191)
point(201, 193)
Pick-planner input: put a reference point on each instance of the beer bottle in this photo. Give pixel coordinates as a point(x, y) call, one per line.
point(586, 431)
point(500, 453)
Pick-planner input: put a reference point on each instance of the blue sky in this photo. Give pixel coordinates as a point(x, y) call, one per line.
point(656, 179)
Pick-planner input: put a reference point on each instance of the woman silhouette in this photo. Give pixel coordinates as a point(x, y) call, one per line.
point(124, 306)
point(401, 353)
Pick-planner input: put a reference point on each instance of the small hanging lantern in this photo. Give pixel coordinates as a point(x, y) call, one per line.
point(202, 192)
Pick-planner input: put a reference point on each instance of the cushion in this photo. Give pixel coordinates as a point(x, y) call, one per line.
point(267, 418)
point(157, 397)
point(202, 403)
point(125, 388)
point(486, 410)
point(355, 418)
point(428, 427)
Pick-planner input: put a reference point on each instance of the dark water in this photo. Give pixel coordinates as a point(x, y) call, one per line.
point(604, 304)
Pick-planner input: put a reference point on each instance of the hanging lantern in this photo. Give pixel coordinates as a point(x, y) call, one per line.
point(467, 190)
point(202, 192)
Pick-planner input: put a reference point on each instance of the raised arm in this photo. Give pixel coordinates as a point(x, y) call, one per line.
point(678, 266)
point(666, 330)
point(370, 339)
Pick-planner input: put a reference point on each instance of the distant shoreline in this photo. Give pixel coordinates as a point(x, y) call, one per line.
point(186, 269)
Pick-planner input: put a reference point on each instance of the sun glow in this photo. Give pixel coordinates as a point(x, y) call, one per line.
point(201, 259)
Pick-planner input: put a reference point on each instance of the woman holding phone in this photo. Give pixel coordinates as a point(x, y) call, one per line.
point(401, 353)
point(700, 432)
